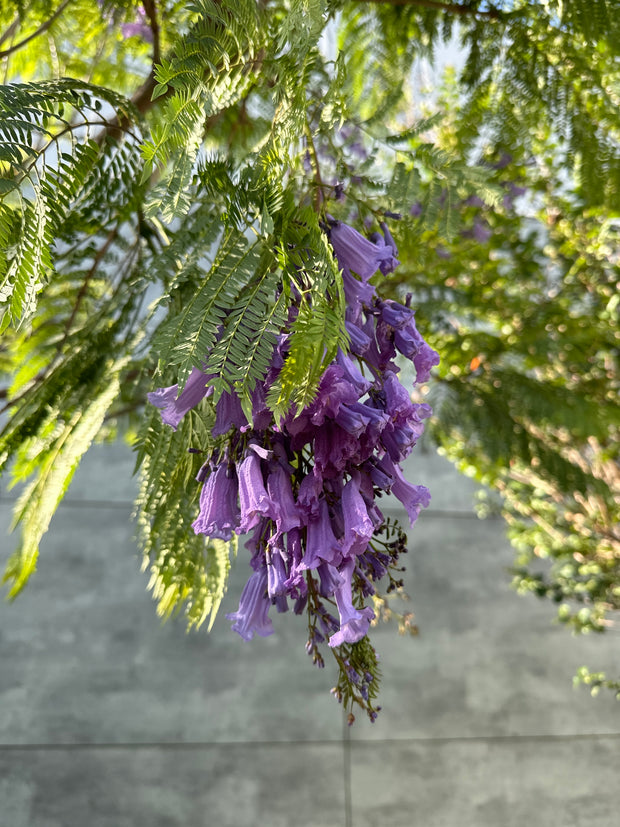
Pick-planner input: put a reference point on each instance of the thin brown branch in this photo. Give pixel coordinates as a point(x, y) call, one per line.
point(150, 9)
point(84, 287)
point(8, 34)
point(452, 8)
point(42, 28)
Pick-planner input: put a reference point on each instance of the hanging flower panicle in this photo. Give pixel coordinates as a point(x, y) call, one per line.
point(306, 489)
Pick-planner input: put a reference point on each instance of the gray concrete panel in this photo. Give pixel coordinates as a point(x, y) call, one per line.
point(226, 786)
point(511, 783)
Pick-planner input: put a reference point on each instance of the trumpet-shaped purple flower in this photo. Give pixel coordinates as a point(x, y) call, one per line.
point(330, 579)
point(354, 622)
point(394, 314)
point(253, 498)
point(409, 342)
point(228, 414)
point(252, 615)
point(360, 340)
point(173, 408)
point(308, 496)
point(426, 359)
point(358, 527)
point(321, 543)
point(413, 497)
point(284, 510)
point(357, 253)
point(276, 570)
point(219, 512)
point(354, 630)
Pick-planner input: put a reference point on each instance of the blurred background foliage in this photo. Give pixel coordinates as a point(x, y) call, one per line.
point(162, 165)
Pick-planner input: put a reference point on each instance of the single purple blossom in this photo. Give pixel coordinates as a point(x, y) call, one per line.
point(219, 512)
point(358, 294)
point(423, 361)
point(394, 314)
point(356, 252)
point(228, 414)
point(358, 527)
point(254, 500)
point(360, 340)
point(329, 579)
point(276, 570)
point(354, 622)
point(321, 543)
point(173, 408)
point(252, 615)
point(283, 508)
point(308, 496)
point(413, 497)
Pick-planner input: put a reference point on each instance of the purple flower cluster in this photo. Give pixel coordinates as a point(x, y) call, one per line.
point(305, 489)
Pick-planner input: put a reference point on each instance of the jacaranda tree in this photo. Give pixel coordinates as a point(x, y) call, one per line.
point(231, 227)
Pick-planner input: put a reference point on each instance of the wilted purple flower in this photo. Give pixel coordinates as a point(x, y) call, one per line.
point(254, 500)
point(174, 408)
point(252, 615)
point(219, 512)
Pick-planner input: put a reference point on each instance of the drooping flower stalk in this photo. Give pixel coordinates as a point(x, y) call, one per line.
point(306, 487)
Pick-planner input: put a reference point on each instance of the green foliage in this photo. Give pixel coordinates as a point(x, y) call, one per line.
point(186, 571)
point(56, 453)
point(50, 179)
point(596, 681)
